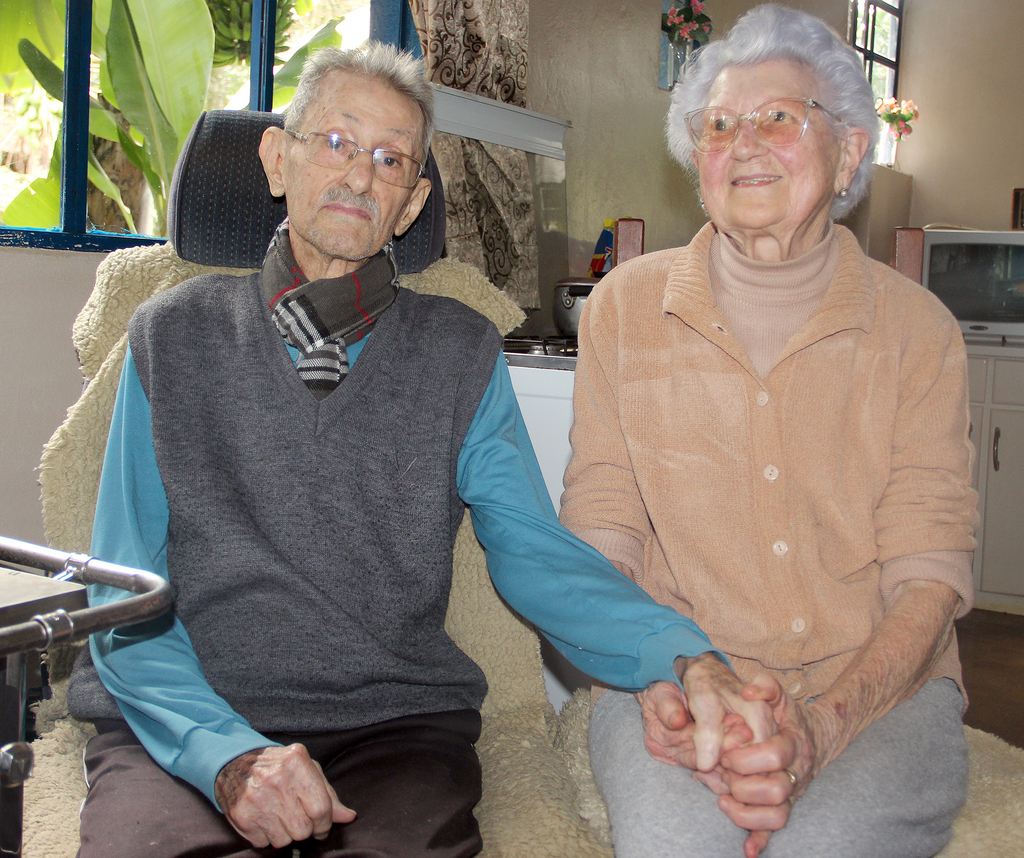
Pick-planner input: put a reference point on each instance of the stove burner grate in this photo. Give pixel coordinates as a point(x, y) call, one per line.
point(555, 346)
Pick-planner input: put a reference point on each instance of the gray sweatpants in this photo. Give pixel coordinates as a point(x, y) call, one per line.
point(894, 791)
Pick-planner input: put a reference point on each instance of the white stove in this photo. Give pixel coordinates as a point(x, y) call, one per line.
point(543, 370)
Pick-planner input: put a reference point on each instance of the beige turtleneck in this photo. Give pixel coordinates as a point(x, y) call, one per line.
point(766, 303)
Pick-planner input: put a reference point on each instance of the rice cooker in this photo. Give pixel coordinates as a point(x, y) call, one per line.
point(569, 297)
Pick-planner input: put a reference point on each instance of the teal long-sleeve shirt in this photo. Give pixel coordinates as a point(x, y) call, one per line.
point(600, 620)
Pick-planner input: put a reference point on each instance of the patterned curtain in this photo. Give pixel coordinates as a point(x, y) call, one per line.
point(479, 46)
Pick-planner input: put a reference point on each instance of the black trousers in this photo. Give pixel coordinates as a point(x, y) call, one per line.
point(413, 783)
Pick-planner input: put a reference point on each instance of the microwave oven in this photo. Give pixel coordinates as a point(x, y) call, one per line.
point(978, 275)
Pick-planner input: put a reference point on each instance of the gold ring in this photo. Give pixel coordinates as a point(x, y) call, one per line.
point(792, 777)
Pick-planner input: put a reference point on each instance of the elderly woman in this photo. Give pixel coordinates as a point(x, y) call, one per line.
point(772, 437)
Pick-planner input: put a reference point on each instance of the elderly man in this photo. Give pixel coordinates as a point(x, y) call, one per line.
point(294, 451)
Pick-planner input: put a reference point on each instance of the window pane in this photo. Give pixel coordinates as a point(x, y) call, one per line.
point(341, 23)
point(30, 117)
point(147, 90)
point(860, 37)
point(886, 29)
point(882, 81)
point(875, 36)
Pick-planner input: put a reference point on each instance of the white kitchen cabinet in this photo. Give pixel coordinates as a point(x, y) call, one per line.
point(1002, 568)
point(996, 379)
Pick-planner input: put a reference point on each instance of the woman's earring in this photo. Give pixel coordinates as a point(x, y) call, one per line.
point(843, 192)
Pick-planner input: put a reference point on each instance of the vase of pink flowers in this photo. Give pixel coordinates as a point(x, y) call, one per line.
point(687, 26)
point(897, 116)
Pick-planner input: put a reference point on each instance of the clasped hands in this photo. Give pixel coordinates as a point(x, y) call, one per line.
point(742, 741)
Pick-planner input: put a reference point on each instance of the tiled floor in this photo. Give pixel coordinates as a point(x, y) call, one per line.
point(992, 653)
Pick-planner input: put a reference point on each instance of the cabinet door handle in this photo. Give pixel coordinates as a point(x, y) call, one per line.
point(995, 449)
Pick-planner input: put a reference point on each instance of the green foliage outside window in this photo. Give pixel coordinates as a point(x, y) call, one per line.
point(151, 72)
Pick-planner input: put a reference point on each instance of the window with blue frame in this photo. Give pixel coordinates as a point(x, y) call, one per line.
point(97, 98)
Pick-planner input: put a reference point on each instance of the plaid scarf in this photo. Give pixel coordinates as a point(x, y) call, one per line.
point(320, 317)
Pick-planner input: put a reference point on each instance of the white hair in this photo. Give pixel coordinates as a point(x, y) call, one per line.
point(384, 63)
point(771, 32)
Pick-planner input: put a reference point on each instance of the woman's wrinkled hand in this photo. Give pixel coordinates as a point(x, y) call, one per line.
point(764, 779)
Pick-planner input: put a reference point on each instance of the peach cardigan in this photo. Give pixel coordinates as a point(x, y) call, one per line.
point(765, 509)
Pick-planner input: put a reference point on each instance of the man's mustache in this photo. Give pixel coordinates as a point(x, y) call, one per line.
point(340, 195)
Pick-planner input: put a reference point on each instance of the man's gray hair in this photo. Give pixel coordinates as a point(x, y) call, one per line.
point(771, 32)
point(384, 63)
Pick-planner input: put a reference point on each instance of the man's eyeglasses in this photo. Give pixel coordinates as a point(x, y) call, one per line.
point(780, 122)
point(331, 150)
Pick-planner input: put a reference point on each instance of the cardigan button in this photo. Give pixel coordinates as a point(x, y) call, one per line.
point(798, 625)
point(761, 398)
point(771, 473)
point(780, 548)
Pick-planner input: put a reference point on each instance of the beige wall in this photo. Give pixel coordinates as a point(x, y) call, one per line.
point(596, 64)
point(966, 153)
point(41, 292)
point(835, 13)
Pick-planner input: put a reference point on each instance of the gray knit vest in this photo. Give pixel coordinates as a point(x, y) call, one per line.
point(310, 543)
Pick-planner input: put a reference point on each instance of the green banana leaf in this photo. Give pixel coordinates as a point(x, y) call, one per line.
point(286, 78)
point(36, 207)
point(46, 72)
point(100, 21)
point(106, 87)
point(175, 38)
point(101, 121)
point(326, 36)
point(135, 95)
point(136, 153)
point(35, 20)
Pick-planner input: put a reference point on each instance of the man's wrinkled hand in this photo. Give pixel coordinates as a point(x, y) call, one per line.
point(713, 692)
point(693, 728)
point(275, 796)
point(668, 728)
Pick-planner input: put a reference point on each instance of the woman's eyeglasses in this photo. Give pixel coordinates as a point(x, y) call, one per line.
point(331, 150)
point(780, 122)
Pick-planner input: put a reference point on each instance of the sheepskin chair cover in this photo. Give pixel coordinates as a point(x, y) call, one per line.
point(529, 806)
